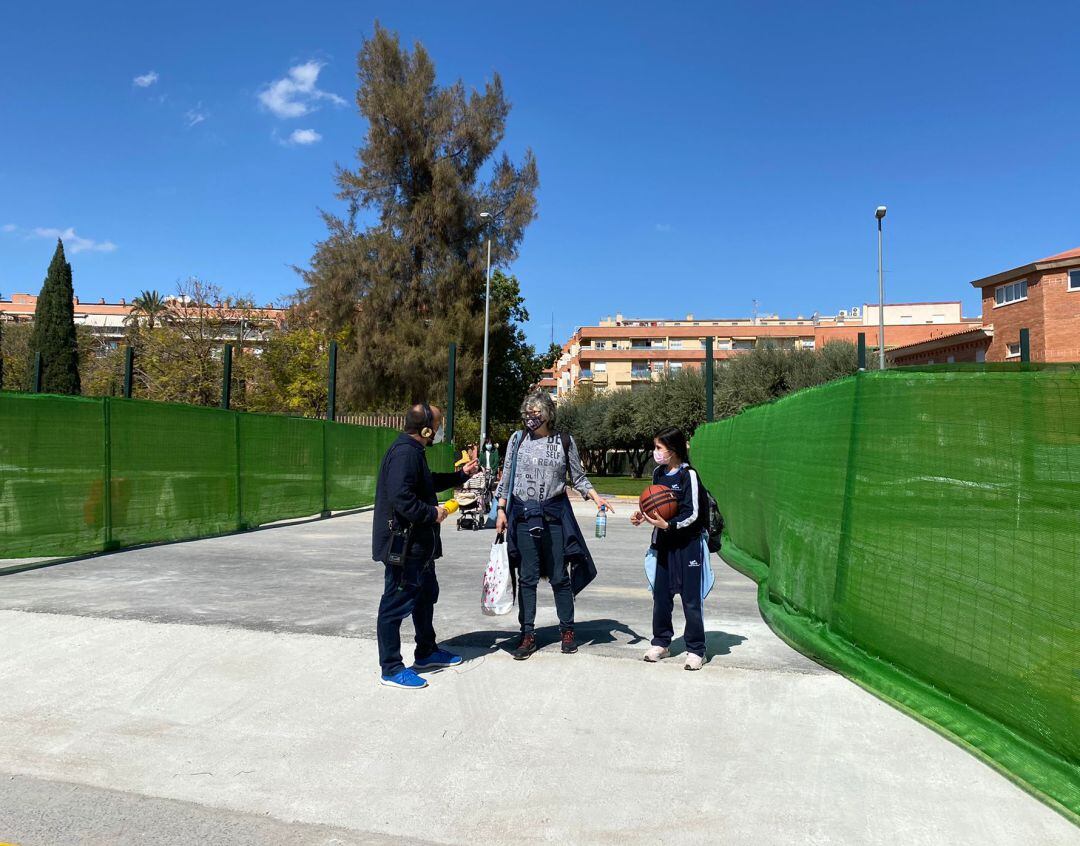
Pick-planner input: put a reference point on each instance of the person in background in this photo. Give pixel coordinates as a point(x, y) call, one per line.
point(681, 553)
point(543, 535)
point(489, 455)
point(406, 540)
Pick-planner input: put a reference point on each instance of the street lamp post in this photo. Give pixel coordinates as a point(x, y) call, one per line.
point(880, 214)
point(487, 324)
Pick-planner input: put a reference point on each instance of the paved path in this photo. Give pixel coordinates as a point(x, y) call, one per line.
point(225, 691)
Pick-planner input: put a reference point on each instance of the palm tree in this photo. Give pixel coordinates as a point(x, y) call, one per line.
point(150, 305)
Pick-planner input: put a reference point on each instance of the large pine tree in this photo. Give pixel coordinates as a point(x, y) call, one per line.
point(404, 269)
point(54, 329)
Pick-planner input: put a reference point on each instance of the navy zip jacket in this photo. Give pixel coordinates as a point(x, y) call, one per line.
point(555, 510)
point(406, 492)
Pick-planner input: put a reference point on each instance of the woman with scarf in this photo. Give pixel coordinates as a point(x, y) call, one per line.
point(543, 535)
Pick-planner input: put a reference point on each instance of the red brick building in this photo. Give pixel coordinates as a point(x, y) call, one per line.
point(1042, 297)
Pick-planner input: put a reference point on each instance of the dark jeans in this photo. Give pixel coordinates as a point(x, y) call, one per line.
point(664, 603)
point(411, 589)
point(547, 550)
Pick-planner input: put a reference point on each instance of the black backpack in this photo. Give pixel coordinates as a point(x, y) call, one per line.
point(715, 528)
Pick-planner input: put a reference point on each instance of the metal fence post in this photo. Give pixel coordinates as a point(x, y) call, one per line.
point(331, 384)
point(129, 367)
point(451, 393)
point(37, 373)
point(106, 476)
point(1025, 347)
point(708, 380)
point(226, 376)
point(862, 350)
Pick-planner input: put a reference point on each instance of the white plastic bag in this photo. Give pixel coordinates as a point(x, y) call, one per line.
point(497, 596)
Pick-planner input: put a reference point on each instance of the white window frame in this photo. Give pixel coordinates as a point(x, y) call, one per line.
point(1006, 289)
point(1072, 278)
point(599, 367)
point(1009, 350)
point(675, 344)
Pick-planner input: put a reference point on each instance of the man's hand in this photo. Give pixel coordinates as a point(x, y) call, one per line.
point(442, 513)
point(500, 522)
point(472, 468)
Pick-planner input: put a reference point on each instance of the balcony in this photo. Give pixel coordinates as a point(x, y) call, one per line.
point(638, 374)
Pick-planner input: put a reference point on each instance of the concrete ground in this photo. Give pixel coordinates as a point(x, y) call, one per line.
point(225, 691)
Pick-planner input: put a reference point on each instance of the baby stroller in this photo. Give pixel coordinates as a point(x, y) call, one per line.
point(475, 501)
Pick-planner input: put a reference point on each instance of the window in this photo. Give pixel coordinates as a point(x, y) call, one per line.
point(640, 371)
point(1012, 350)
point(1012, 293)
point(676, 366)
point(1074, 280)
point(600, 366)
point(725, 344)
point(980, 356)
point(675, 344)
point(585, 374)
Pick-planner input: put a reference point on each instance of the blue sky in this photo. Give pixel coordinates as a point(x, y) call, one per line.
point(693, 156)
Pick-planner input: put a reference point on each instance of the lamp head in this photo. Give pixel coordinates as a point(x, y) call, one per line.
point(880, 213)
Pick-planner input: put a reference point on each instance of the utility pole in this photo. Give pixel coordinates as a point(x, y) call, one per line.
point(880, 214)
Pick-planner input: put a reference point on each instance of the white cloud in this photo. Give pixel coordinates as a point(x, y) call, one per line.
point(304, 136)
point(146, 80)
point(296, 95)
point(10, 227)
point(72, 242)
point(195, 116)
point(663, 227)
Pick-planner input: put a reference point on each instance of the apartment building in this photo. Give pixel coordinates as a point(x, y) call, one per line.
point(621, 353)
point(110, 320)
point(1042, 296)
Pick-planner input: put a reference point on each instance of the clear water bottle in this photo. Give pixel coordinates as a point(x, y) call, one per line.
point(601, 522)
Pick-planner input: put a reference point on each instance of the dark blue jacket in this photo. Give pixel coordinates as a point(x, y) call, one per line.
point(557, 509)
point(406, 492)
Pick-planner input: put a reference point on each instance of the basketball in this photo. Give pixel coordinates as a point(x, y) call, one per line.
point(658, 500)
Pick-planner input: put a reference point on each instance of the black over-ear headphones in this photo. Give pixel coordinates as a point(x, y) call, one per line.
point(429, 422)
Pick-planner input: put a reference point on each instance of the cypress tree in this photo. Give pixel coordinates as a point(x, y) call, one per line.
point(54, 329)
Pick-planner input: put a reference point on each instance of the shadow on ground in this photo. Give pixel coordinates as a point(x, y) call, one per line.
point(472, 645)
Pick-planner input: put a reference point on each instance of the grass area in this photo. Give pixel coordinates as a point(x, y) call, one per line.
point(620, 485)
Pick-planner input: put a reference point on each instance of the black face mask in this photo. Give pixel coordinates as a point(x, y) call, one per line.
point(533, 423)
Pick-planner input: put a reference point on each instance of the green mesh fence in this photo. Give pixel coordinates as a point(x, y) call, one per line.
point(171, 472)
point(919, 531)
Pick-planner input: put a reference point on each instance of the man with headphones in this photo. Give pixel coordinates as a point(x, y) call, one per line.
point(406, 539)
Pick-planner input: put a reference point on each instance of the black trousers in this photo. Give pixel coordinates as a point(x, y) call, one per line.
point(546, 552)
point(409, 590)
point(689, 588)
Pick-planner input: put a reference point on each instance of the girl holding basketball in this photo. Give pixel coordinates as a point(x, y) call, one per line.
point(682, 562)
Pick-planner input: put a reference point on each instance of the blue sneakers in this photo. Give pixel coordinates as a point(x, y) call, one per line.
point(406, 680)
point(437, 660)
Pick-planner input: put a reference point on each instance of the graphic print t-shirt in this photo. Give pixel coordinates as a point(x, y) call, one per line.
point(541, 470)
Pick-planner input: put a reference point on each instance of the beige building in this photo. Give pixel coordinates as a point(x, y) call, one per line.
point(620, 353)
point(109, 320)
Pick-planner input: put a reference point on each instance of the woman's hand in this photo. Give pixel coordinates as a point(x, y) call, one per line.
point(500, 522)
point(601, 502)
point(637, 518)
point(657, 520)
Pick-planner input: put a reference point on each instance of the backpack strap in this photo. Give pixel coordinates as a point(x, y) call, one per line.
point(565, 438)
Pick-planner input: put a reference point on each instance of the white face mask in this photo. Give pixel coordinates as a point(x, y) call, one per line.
point(440, 435)
point(660, 456)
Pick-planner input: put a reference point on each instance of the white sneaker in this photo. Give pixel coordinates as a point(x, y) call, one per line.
point(656, 653)
point(693, 662)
